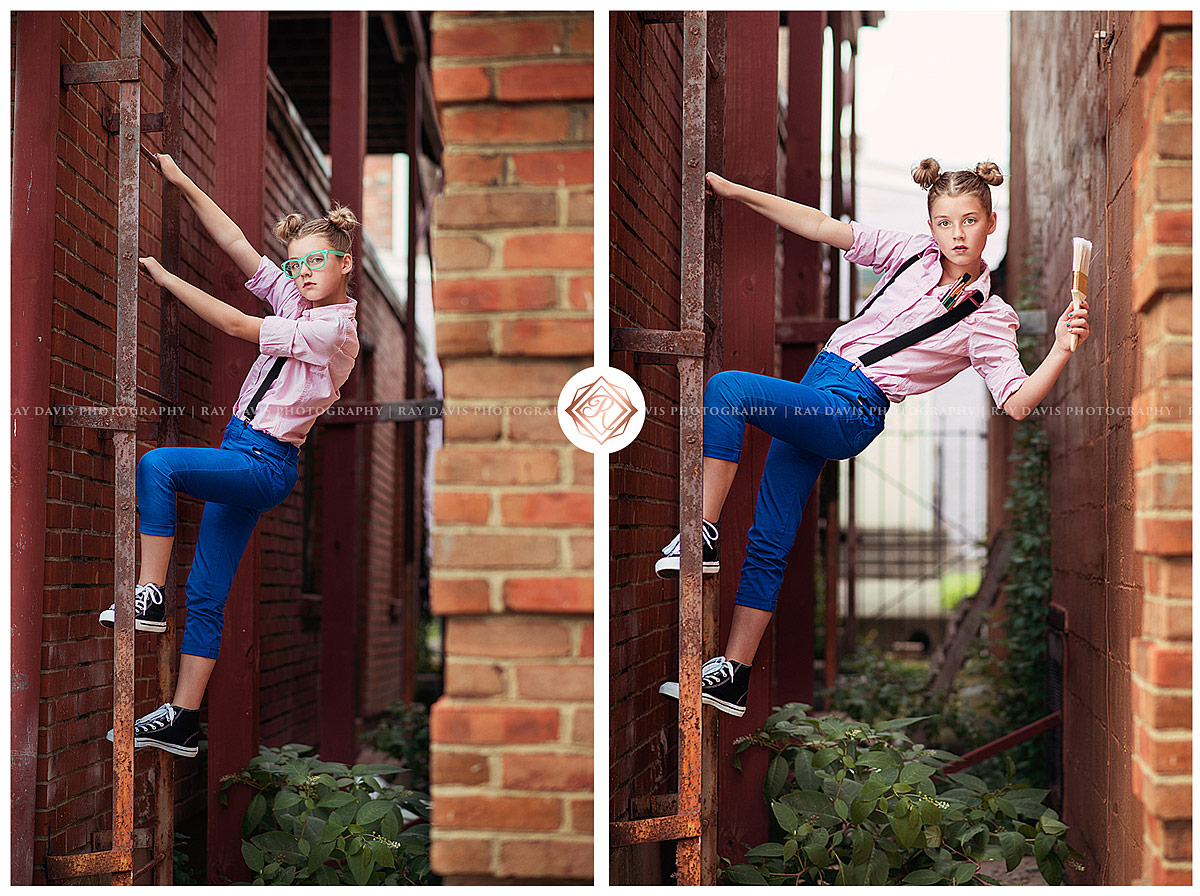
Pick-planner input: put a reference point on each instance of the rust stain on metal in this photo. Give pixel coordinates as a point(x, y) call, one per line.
point(653, 830)
point(107, 862)
point(688, 343)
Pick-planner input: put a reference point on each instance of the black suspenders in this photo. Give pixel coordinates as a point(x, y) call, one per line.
point(927, 329)
point(272, 375)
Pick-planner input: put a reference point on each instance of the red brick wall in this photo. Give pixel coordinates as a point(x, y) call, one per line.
point(1161, 56)
point(512, 567)
point(74, 767)
point(644, 232)
point(1086, 161)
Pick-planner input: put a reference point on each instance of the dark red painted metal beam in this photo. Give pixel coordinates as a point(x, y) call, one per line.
point(751, 141)
point(987, 751)
point(35, 124)
point(802, 298)
point(233, 693)
point(342, 445)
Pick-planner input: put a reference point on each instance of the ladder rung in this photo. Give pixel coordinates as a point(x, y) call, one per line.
point(121, 419)
point(111, 119)
point(687, 343)
point(107, 862)
point(99, 72)
point(653, 830)
point(168, 57)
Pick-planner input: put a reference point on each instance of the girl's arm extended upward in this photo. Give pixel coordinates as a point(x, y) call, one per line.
point(810, 223)
point(223, 316)
point(219, 225)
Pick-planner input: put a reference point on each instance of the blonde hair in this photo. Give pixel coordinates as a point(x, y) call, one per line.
point(335, 228)
point(978, 183)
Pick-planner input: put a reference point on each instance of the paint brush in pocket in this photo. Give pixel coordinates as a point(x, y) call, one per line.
point(1081, 260)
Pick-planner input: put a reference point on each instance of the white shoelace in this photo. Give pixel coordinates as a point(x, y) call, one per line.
point(715, 671)
point(160, 718)
point(146, 595)
point(708, 530)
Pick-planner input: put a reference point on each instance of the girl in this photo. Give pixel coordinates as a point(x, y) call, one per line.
point(308, 348)
point(931, 316)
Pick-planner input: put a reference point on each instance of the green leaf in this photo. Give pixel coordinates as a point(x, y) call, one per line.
point(824, 757)
point(964, 873)
point(785, 816)
point(372, 812)
point(327, 877)
point(285, 799)
point(842, 810)
point(922, 877)
point(336, 799)
point(970, 782)
point(1012, 845)
point(777, 774)
point(254, 814)
point(765, 850)
point(878, 869)
point(1052, 826)
point(907, 827)
point(361, 864)
point(806, 778)
point(745, 875)
point(390, 828)
point(1042, 844)
point(916, 771)
point(877, 759)
point(895, 724)
point(931, 813)
point(864, 847)
point(818, 855)
point(252, 857)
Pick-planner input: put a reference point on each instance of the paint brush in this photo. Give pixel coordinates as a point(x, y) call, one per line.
point(955, 290)
point(1081, 260)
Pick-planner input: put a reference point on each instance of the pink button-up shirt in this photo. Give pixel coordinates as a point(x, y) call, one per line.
point(324, 343)
point(986, 340)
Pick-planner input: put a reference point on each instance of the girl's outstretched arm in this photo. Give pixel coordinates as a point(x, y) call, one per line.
point(1031, 392)
point(810, 223)
point(221, 315)
point(219, 225)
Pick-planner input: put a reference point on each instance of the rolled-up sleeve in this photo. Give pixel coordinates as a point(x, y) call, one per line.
point(993, 350)
point(883, 250)
point(275, 288)
point(311, 341)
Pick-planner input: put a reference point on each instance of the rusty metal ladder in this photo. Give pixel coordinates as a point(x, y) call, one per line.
point(689, 817)
point(121, 422)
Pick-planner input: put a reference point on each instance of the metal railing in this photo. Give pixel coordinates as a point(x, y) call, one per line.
point(122, 422)
point(689, 816)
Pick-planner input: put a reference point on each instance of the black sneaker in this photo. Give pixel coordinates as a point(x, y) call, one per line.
point(723, 684)
point(169, 728)
point(668, 566)
point(151, 610)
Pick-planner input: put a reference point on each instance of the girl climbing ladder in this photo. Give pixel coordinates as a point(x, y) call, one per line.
point(308, 348)
point(932, 316)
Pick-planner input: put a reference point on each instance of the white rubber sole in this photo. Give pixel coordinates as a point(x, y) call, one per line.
point(668, 568)
point(139, 742)
point(671, 689)
point(108, 620)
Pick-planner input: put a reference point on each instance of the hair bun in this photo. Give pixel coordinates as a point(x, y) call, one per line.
point(989, 172)
point(342, 218)
point(287, 228)
point(927, 173)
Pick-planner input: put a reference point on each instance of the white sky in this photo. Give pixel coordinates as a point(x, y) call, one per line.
point(930, 84)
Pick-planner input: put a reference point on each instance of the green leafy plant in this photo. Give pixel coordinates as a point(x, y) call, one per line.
point(857, 805)
point(314, 822)
point(403, 733)
point(874, 687)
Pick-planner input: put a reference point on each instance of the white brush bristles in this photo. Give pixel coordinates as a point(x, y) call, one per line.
point(1081, 254)
point(1081, 259)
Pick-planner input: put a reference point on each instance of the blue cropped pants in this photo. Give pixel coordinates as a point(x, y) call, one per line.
point(833, 413)
point(248, 475)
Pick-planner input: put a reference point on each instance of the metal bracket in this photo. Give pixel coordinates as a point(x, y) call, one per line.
point(101, 72)
point(110, 118)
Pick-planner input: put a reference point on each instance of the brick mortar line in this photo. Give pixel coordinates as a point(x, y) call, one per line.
point(1158, 691)
point(1160, 779)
